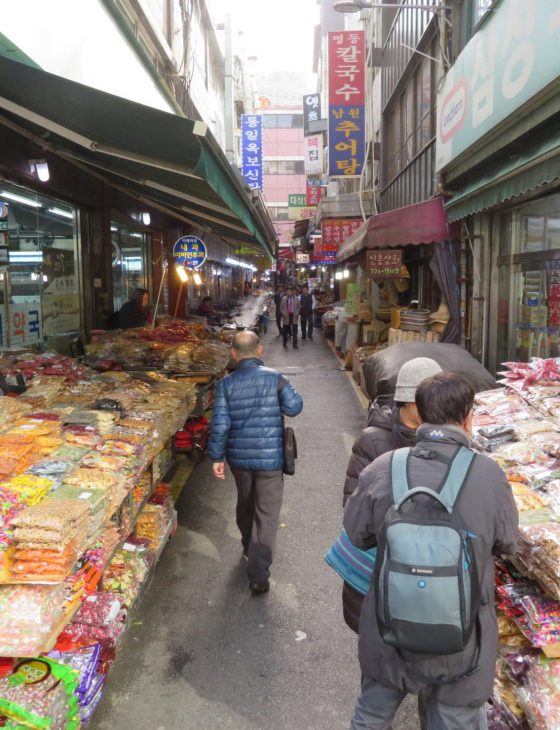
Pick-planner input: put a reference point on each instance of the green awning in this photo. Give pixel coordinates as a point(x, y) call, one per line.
point(159, 156)
point(536, 166)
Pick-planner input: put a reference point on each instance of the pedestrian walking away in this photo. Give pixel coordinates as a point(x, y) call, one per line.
point(307, 304)
point(278, 296)
point(247, 431)
point(290, 308)
point(416, 586)
point(392, 424)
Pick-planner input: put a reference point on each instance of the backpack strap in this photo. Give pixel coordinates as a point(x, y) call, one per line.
point(457, 476)
point(399, 477)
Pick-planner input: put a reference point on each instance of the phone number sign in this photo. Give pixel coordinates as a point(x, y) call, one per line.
point(190, 251)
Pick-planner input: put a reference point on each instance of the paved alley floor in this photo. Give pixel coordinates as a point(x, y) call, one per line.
point(203, 654)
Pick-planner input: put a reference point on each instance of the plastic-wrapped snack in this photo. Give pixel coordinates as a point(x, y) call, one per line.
point(539, 696)
point(72, 452)
point(40, 694)
point(89, 703)
point(28, 614)
point(517, 453)
point(84, 660)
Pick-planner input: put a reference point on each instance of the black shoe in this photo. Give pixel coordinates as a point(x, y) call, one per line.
point(311, 338)
point(285, 345)
point(258, 588)
point(303, 339)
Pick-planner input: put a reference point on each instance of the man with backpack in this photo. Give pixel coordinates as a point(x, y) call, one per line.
point(437, 513)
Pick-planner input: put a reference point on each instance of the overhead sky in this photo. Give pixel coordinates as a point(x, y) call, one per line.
point(279, 32)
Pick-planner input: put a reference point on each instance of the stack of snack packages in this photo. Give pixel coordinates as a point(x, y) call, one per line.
point(518, 425)
point(74, 449)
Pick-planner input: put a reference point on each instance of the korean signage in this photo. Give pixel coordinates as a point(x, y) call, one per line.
point(346, 103)
point(336, 230)
point(313, 194)
point(252, 150)
point(311, 111)
point(504, 65)
point(324, 254)
point(302, 258)
point(384, 264)
point(298, 208)
point(60, 302)
point(190, 251)
point(313, 155)
point(23, 325)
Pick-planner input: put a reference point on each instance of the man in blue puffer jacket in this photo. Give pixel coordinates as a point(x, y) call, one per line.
point(247, 430)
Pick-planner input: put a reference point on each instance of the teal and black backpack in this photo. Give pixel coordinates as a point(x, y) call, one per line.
point(426, 582)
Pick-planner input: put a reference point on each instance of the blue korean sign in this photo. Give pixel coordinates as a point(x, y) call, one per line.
point(346, 140)
point(190, 251)
point(252, 150)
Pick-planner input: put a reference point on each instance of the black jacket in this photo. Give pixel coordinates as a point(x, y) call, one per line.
point(306, 301)
point(384, 432)
point(130, 315)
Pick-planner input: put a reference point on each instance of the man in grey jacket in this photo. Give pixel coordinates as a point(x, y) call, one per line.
point(290, 307)
point(457, 684)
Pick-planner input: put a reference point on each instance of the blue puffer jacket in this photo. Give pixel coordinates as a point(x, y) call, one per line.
point(247, 417)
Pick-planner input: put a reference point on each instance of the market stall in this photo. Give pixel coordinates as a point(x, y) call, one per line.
point(519, 427)
point(85, 513)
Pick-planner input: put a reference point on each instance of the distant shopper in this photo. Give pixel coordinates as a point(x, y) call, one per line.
point(289, 309)
point(205, 308)
point(308, 304)
point(392, 424)
point(135, 312)
point(279, 295)
point(247, 432)
point(430, 640)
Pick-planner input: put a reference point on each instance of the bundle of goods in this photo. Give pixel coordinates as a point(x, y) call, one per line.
point(194, 435)
point(100, 619)
point(48, 538)
point(93, 499)
point(40, 694)
point(126, 572)
point(28, 616)
point(85, 661)
point(33, 366)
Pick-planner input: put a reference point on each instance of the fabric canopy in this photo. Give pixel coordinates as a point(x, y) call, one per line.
point(286, 254)
point(415, 224)
point(537, 165)
point(164, 157)
point(354, 244)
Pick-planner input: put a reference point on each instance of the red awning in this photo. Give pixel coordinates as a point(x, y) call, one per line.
point(415, 224)
point(286, 254)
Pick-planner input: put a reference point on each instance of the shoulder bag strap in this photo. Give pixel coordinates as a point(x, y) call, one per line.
point(457, 476)
point(399, 477)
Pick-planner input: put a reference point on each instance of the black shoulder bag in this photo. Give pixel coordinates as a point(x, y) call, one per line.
point(289, 446)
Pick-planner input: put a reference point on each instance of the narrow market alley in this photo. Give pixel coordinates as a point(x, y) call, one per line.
point(202, 653)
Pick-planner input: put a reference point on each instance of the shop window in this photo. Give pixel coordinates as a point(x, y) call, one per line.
point(131, 250)
point(39, 268)
point(283, 121)
point(283, 167)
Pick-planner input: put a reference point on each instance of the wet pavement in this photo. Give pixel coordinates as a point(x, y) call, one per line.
point(202, 653)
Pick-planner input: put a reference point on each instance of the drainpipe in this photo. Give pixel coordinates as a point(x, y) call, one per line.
point(228, 93)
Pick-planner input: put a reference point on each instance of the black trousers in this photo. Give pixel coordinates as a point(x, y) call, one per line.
point(279, 321)
point(306, 325)
point(259, 499)
point(290, 329)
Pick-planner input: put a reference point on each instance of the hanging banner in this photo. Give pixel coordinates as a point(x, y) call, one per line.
point(297, 207)
point(384, 264)
point(311, 111)
point(313, 194)
point(336, 230)
point(346, 53)
point(190, 251)
point(313, 155)
point(252, 150)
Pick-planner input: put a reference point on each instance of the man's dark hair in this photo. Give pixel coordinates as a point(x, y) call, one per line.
point(206, 299)
point(444, 398)
point(305, 287)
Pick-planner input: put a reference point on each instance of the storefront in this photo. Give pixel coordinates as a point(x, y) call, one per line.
point(498, 155)
point(96, 207)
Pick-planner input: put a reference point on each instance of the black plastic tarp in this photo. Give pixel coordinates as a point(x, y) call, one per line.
point(382, 368)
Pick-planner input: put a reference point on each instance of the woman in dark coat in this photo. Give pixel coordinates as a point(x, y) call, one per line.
point(135, 312)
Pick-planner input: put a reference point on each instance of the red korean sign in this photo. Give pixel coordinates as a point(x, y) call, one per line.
point(347, 69)
point(313, 194)
point(336, 230)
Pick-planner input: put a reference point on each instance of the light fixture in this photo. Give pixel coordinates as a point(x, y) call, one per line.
point(323, 268)
point(197, 278)
point(20, 199)
point(136, 235)
point(346, 274)
point(62, 213)
point(39, 168)
point(146, 219)
point(114, 229)
point(241, 264)
point(25, 257)
point(34, 276)
point(338, 275)
point(182, 273)
point(45, 278)
point(354, 6)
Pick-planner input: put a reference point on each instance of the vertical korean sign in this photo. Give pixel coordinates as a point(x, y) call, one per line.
point(346, 103)
point(252, 150)
point(311, 111)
